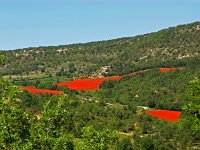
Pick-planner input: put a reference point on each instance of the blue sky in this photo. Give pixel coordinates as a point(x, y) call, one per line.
point(30, 23)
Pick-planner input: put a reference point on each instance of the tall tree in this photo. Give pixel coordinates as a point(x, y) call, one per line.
point(15, 123)
point(193, 108)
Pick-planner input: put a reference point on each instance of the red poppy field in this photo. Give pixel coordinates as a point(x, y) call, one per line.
point(87, 84)
point(94, 84)
point(166, 70)
point(135, 73)
point(165, 114)
point(27, 87)
point(33, 90)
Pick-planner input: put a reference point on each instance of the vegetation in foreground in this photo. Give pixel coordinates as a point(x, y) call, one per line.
point(111, 117)
point(62, 122)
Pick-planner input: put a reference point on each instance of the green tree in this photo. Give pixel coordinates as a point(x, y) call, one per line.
point(18, 130)
point(193, 108)
point(71, 68)
point(2, 59)
point(51, 130)
point(147, 143)
point(15, 123)
point(97, 140)
point(125, 144)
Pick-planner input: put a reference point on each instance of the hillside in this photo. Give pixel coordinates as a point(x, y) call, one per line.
point(175, 46)
point(139, 105)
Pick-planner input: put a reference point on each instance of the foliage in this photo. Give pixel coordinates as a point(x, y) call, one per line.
point(19, 130)
point(193, 108)
point(50, 129)
point(15, 123)
point(92, 118)
point(97, 140)
point(162, 135)
point(125, 144)
point(151, 88)
point(176, 46)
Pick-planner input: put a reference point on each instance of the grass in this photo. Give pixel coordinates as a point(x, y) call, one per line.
point(43, 79)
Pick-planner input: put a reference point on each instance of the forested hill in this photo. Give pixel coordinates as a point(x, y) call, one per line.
point(175, 46)
point(43, 115)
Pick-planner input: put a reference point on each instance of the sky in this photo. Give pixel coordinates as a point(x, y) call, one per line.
point(32, 23)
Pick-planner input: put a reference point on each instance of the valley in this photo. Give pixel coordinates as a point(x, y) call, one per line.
point(141, 92)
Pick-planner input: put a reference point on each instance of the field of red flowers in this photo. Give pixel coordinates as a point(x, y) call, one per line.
point(166, 70)
point(33, 90)
point(94, 84)
point(165, 114)
point(87, 84)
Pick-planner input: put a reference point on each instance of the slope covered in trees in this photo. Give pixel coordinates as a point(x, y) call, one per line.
point(65, 123)
point(175, 46)
point(113, 116)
